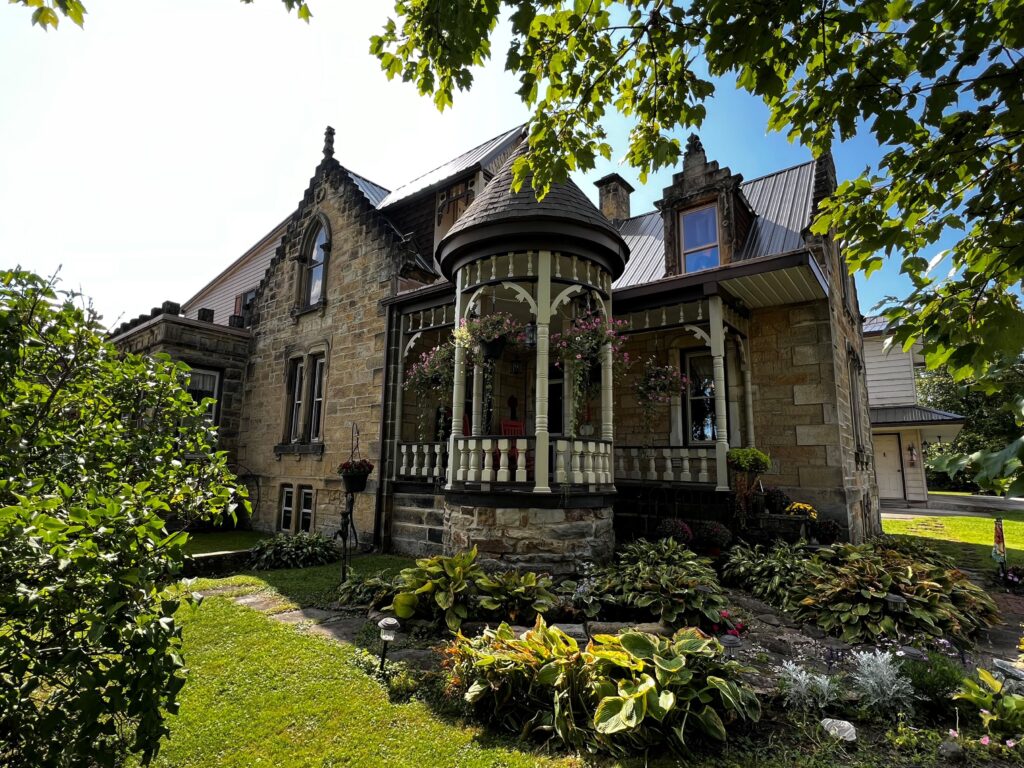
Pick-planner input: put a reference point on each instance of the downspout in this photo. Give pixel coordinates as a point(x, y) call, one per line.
point(384, 437)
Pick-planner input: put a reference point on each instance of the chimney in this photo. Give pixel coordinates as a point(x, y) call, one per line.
point(613, 194)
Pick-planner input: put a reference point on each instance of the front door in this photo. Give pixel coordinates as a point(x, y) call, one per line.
point(889, 466)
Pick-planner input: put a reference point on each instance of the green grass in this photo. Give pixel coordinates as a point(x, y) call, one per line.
point(950, 493)
point(266, 694)
point(967, 539)
point(221, 541)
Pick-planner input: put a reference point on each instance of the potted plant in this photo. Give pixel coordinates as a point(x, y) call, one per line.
point(656, 385)
point(354, 473)
point(577, 350)
point(431, 378)
point(489, 334)
point(711, 535)
point(792, 524)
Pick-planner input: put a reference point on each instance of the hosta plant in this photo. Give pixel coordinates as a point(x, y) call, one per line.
point(1001, 712)
point(769, 573)
point(300, 550)
point(620, 694)
point(519, 596)
point(375, 590)
point(914, 548)
point(439, 587)
point(863, 593)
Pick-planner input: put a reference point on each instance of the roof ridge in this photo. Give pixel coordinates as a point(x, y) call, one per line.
point(366, 178)
point(793, 167)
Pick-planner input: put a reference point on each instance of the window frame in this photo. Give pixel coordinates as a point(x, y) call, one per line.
point(854, 368)
point(687, 426)
point(296, 384)
point(287, 492)
point(213, 411)
point(683, 251)
point(316, 398)
point(241, 305)
point(313, 261)
point(305, 491)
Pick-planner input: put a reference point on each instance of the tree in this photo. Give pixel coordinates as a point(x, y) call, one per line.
point(96, 450)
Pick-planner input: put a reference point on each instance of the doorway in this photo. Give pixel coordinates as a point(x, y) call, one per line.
point(889, 467)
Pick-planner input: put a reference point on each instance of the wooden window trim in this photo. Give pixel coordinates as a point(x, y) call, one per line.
point(287, 503)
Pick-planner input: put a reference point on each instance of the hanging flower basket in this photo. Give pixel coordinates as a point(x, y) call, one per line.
point(490, 334)
point(354, 473)
point(493, 349)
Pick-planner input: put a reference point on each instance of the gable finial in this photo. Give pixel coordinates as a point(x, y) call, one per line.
point(328, 143)
point(693, 144)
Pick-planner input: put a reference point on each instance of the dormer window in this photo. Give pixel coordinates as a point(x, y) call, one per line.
point(316, 261)
point(699, 237)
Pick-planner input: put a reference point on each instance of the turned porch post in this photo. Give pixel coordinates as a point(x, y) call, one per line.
point(607, 404)
point(458, 391)
point(721, 414)
point(542, 483)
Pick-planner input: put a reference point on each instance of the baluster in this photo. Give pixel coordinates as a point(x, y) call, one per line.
point(652, 467)
point(494, 267)
point(634, 464)
point(404, 470)
point(487, 462)
point(575, 268)
point(529, 263)
point(664, 321)
point(685, 475)
point(503, 462)
point(588, 463)
point(669, 473)
point(557, 258)
point(620, 465)
point(510, 262)
point(428, 462)
point(560, 450)
point(606, 463)
point(465, 458)
point(521, 448)
point(440, 450)
point(703, 476)
point(414, 468)
point(575, 451)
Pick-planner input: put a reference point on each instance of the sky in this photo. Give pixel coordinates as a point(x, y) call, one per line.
point(144, 153)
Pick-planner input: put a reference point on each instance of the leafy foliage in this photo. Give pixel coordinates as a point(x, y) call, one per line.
point(1000, 711)
point(767, 573)
point(673, 527)
point(375, 590)
point(438, 587)
point(935, 681)
point(881, 687)
point(96, 450)
point(301, 550)
point(519, 596)
point(844, 591)
point(805, 690)
point(621, 694)
point(914, 548)
point(776, 500)
point(710, 533)
point(431, 378)
point(655, 387)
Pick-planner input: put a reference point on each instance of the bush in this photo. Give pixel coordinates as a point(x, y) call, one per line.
point(300, 550)
point(438, 588)
point(805, 690)
point(518, 596)
point(767, 573)
point(674, 528)
point(621, 694)
point(710, 533)
point(844, 591)
point(1001, 712)
point(880, 686)
point(935, 681)
point(914, 548)
point(776, 501)
point(749, 460)
point(826, 531)
point(96, 451)
point(375, 590)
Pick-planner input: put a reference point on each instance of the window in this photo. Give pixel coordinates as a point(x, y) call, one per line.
point(855, 405)
point(306, 509)
point(316, 400)
point(287, 507)
point(243, 301)
point(295, 399)
point(203, 384)
point(700, 398)
point(316, 261)
point(698, 234)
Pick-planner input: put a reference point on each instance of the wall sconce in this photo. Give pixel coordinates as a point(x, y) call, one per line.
point(912, 455)
point(389, 627)
point(530, 332)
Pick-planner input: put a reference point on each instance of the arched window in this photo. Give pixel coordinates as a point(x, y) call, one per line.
point(316, 264)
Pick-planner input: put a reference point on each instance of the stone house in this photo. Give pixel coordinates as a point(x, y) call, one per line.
point(723, 280)
point(901, 429)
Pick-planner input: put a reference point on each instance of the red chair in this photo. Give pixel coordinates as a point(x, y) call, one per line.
point(514, 428)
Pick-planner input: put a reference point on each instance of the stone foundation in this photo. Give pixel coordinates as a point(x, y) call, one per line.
point(552, 540)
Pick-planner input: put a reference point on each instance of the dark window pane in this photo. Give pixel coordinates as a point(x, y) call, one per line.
point(699, 228)
point(698, 260)
point(702, 420)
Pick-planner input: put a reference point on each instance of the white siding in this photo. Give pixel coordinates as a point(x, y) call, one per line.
point(244, 274)
point(913, 480)
point(890, 374)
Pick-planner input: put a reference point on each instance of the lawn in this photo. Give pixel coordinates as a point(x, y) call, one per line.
point(967, 539)
point(221, 541)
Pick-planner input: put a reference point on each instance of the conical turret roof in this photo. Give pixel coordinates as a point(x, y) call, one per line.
point(563, 219)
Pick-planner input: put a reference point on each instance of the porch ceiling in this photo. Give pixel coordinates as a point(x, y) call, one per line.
point(792, 284)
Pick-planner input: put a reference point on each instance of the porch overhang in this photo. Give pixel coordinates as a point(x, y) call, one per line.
point(936, 426)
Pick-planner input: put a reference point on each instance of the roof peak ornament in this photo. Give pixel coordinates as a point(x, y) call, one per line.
point(693, 144)
point(328, 143)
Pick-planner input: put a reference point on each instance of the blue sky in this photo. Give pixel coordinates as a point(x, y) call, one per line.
point(146, 152)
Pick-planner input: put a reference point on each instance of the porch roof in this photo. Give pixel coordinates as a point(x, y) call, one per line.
point(911, 416)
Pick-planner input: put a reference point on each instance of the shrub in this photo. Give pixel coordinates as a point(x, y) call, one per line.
point(621, 694)
point(518, 596)
point(710, 533)
point(914, 548)
point(300, 550)
point(438, 587)
point(935, 681)
point(776, 501)
point(881, 688)
point(805, 690)
point(1000, 711)
point(375, 590)
point(749, 460)
point(767, 573)
point(674, 528)
point(96, 451)
point(826, 531)
point(844, 591)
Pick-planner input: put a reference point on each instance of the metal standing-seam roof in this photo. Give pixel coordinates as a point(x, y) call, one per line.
point(907, 415)
point(782, 202)
point(478, 156)
point(374, 193)
point(876, 324)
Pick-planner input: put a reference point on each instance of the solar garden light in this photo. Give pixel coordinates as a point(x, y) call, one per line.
point(389, 627)
point(897, 603)
point(731, 643)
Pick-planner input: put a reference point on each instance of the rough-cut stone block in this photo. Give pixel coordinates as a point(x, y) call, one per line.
point(816, 434)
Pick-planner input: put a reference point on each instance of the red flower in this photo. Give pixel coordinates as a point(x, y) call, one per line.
point(724, 614)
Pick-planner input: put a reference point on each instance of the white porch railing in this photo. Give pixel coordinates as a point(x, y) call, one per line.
point(422, 461)
point(665, 464)
point(583, 462)
point(493, 460)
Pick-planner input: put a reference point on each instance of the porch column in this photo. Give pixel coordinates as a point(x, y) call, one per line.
point(542, 482)
point(399, 398)
point(607, 399)
point(721, 412)
point(458, 392)
point(748, 391)
point(478, 400)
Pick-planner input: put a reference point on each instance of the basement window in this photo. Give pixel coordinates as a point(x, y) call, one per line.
point(698, 235)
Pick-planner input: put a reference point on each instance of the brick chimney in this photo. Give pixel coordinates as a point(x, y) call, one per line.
point(613, 193)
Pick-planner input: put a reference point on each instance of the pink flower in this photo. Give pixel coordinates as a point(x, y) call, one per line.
point(984, 741)
point(1011, 743)
point(724, 614)
point(953, 734)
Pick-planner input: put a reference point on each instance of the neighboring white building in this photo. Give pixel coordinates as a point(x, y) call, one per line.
point(899, 426)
